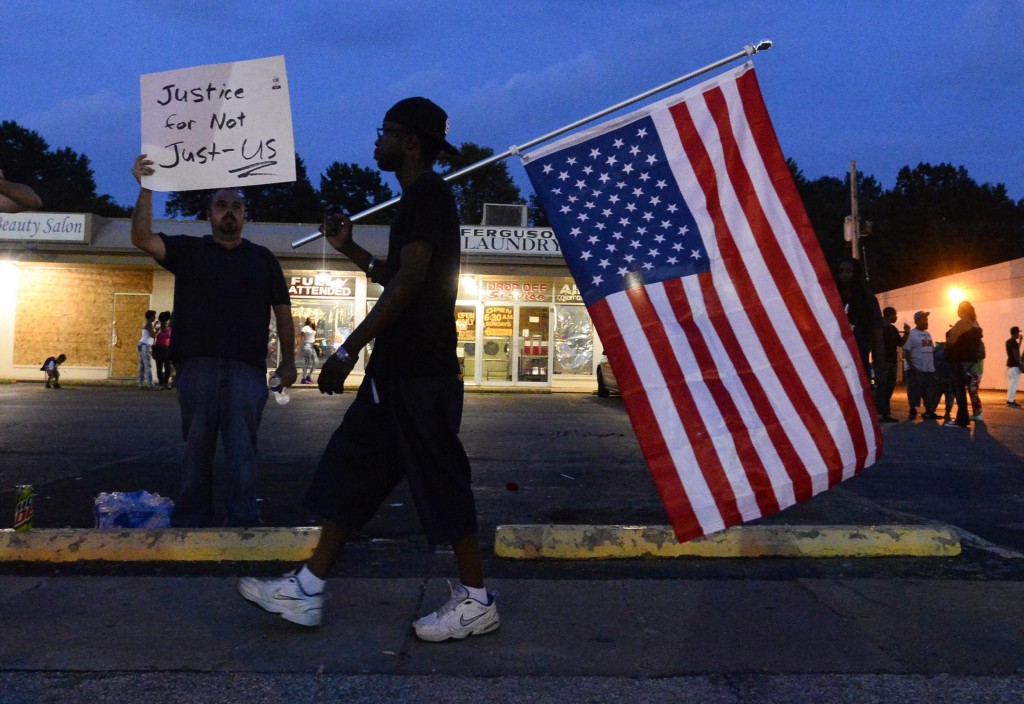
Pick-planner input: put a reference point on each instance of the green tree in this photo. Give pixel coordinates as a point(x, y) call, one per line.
point(352, 188)
point(62, 178)
point(188, 204)
point(937, 221)
point(295, 201)
point(488, 184)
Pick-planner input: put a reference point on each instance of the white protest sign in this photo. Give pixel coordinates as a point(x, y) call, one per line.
point(218, 126)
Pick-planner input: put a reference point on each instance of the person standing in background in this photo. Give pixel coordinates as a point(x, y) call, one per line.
point(863, 313)
point(161, 350)
point(885, 373)
point(308, 333)
point(1013, 367)
point(962, 353)
point(144, 347)
point(919, 367)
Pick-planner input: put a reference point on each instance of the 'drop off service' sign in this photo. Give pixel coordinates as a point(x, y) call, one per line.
point(218, 126)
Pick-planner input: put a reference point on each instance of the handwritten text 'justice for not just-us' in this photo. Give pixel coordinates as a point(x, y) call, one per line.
point(220, 120)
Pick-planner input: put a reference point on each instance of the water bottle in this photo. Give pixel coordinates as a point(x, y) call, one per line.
point(280, 394)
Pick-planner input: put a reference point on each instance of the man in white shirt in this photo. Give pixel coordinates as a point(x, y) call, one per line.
point(919, 367)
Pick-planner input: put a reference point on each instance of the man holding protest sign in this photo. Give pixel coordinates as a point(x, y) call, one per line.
point(224, 289)
point(404, 421)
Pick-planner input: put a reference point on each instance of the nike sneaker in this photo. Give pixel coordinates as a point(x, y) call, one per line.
point(284, 596)
point(459, 617)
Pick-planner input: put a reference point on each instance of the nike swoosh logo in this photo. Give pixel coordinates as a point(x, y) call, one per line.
point(285, 597)
point(466, 621)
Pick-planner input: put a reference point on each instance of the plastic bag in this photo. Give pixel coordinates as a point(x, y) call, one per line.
point(134, 509)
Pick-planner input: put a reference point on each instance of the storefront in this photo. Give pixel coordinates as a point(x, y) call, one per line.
point(520, 319)
point(526, 331)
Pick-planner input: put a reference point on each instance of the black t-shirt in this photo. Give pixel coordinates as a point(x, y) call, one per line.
point(1012, 352)
point(222, 298)
point(891, 341)
point(422, 341)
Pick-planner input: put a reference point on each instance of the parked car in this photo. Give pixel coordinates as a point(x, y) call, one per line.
point(606, 382)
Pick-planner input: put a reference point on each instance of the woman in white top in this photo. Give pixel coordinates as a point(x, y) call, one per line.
point(308, 352)
point(144, 346)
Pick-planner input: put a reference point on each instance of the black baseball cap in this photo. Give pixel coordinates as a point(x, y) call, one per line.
point(424, 116)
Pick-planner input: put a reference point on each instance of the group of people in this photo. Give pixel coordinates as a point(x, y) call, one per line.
point(405, 418)
point(155, 344)
point(950, 370)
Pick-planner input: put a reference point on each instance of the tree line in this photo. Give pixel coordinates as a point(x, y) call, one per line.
point(935, 220)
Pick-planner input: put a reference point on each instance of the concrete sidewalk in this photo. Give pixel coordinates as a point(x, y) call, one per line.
point(194, 639)
point(563, 628)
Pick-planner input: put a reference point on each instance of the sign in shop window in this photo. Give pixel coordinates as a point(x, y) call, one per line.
point(568, 293)
point(497, 321)
point(516, 291)
point(465, 323)
point(315, 287)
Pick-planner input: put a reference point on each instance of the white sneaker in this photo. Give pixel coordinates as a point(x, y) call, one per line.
point(460, 616)
point(284, 596)
point(977, 416)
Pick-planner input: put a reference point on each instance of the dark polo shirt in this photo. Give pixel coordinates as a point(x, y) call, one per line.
point(222, 298)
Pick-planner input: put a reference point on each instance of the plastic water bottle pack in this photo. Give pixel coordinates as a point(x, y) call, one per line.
point(134, 509)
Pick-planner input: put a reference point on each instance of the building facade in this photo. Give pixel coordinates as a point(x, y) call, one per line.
point(74, 284)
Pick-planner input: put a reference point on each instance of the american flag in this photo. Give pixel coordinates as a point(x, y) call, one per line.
point(685, 233)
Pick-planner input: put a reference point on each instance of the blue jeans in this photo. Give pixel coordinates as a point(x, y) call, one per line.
point(145, 368)
point(219, 397)
point(308, 361)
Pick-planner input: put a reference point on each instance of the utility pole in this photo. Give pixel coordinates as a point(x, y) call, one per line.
point(854, 214)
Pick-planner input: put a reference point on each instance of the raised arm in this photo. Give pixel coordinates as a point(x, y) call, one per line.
point(143, 236)
point(16, 197)
point(338, 231)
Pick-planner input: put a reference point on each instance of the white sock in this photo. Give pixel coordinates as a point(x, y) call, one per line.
point(310, 583)
point(478, 593)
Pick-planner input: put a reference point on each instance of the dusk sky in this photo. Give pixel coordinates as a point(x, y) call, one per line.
point(888, 84)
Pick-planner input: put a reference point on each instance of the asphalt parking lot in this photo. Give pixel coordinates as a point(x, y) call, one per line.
point(792, 630)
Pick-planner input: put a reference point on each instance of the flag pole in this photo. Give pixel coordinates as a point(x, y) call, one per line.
point(748, 50)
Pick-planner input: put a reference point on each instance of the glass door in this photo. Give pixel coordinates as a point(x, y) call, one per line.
point(534, 327)
point(496, 344)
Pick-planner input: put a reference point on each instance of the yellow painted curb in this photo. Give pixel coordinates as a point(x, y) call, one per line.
point(165, 545)
point(531, 542)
